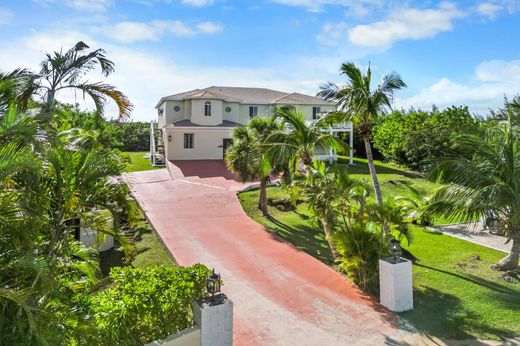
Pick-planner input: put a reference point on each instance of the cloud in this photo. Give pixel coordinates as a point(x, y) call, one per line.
point(405, 24)
point(209, 27)
point(332, 34)
point(197, 3)
point(6, 16)
point(488, 9)
point(80, 5)
point(153, 31)
point(355, 8)
point(492, 81)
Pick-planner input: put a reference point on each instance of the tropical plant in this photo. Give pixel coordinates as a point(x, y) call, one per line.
point(413, 204)
point(357, 102)
point(324, 189)
point(247, 159)
point(484, 181)
point(361, 241)
point(147, 304)
point(63, 71)
point(299, 141)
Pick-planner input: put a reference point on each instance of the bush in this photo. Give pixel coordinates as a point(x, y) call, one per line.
point(414, 138)
point(147, 304)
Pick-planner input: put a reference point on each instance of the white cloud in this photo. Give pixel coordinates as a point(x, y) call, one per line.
point(153, 31)
point(405, 24)
point(197, 3)
point(488, 9)
point(332, 34)
point(209, 27)
point(358, 8)
point(6, 16)
point(493, 80)
point(80, 5)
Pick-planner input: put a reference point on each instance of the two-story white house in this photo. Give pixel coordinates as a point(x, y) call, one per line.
point(197, 124)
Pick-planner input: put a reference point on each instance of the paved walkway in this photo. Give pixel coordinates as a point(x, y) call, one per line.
point(282, 296)
point(475, 233)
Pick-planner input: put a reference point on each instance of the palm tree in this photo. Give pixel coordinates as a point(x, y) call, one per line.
point(483, 181)
point(246, 157)
point(324, 189)
point(358, 103)
point(66, 70)
point(298, 142)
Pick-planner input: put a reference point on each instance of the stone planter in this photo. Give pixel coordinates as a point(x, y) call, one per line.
point(395, 284)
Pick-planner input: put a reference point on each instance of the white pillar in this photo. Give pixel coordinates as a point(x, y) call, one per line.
point(395, 284)
point(214, 316)
point(351, 143)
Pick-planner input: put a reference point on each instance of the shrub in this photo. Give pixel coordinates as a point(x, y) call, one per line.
point(147, 304)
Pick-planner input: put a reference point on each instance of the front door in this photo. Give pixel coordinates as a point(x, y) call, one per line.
point(226, 143)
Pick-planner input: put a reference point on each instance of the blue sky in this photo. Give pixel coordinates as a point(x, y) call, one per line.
point(463, 52)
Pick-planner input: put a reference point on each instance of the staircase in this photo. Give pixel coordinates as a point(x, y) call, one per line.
point(157, 154)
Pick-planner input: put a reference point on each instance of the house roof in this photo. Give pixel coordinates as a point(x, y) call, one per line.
point(188, 123)
point(246, 96)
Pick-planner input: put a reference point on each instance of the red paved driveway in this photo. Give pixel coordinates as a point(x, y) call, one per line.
point(281, 295)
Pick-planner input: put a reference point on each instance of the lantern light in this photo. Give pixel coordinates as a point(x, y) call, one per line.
point(395, 249)
point(213, 283)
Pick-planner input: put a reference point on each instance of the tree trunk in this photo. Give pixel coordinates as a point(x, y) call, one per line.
point(328, 236)
point(262, 201)
point(510, 262)
point(372, 169)
point(375, 180)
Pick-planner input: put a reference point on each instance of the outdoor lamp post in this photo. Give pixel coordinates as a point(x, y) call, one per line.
point(395, 249)
point(213, 283)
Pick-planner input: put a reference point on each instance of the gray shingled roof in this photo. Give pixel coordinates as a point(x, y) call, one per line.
point(247, 96)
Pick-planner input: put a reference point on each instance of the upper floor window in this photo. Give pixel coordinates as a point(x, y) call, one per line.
point(316, 112)
point(207, 109)
point(253, 111)
point(188, 140)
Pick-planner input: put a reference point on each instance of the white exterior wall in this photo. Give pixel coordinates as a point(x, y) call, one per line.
point(207, 143)
point(187, 337)
point(170, 115)
point(263, 111)
point(234, 115)
point(307, 110)
point(197, 112)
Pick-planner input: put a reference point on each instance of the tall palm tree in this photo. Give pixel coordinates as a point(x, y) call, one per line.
point(299, 141)
point(66, 71)
point(246, 158)
point(358, 103)
point(484, 180)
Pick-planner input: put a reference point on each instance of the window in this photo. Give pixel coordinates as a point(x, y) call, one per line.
point(188, 140)
point(207, 109)
point(228, 109)
point(253, 111)
point(315, 112)
point(176, 108)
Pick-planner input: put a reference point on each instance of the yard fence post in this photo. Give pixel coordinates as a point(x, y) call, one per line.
point(214, 316)
point(395, 284)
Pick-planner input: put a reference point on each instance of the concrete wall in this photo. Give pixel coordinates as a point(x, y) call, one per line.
point(207, 143)
point(187, 337)
point(171, 115)
point(197, 112)
point(234, 115)
point(263, 111)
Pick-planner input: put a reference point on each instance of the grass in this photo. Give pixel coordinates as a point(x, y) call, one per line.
point(150, 251)
point(138, 162)
point(456, 295)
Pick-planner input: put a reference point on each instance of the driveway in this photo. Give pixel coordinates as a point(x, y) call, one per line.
point(281, 295)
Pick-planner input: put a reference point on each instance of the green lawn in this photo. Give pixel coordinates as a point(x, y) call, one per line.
point(138, 162)
point(456, 296)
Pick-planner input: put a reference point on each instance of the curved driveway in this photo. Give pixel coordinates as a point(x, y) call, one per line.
point(281, 295)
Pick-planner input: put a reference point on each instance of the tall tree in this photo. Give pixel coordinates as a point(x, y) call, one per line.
point(246, 158)
point(358, 103)
point(484, 180)
point(66, 71)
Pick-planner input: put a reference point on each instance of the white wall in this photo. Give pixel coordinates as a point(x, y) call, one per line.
point(207, 143)
point(187, 337)
point(197, 112)
point(234, 115)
